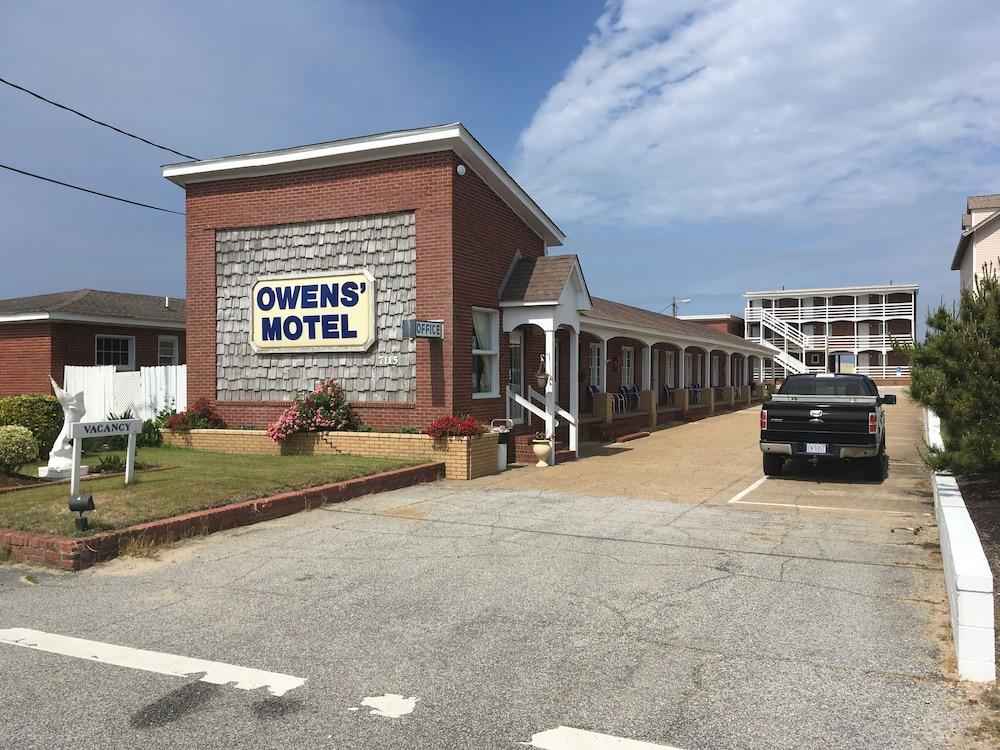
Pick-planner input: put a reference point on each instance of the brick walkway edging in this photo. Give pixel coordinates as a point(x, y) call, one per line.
point(77, 553)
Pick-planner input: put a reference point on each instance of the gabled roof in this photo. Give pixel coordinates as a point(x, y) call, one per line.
point(453, 137)
point(85, 305)
point(667, 325)
point(963, 241)
point(540, 280)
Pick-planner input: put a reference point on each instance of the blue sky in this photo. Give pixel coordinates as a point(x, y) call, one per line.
point(691, 148)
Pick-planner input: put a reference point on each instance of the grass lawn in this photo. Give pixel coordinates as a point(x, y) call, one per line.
point(195, 480)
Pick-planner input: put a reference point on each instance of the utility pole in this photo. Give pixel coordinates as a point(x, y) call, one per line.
point(673, 305)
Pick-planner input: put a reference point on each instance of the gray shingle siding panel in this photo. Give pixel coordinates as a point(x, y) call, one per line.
point(385, 245)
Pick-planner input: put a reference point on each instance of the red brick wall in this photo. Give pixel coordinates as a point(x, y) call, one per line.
point(487, 235)
point(76, 344)
point(419, 183)
point(31, 352)
point(25, 358)
point(466, 237)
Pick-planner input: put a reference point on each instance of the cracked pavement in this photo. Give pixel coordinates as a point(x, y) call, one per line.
point(506, 611)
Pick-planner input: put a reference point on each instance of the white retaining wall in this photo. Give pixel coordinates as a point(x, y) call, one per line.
point(967, 575)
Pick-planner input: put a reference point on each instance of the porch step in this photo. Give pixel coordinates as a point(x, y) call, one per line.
point(564, 454)
point(631, 436)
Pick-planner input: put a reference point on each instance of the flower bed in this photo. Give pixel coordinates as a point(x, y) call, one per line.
point(464, 457)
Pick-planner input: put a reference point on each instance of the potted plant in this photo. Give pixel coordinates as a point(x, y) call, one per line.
point(540, 446)
point(542, 377)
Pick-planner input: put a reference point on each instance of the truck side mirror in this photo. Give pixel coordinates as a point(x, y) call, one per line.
point(890, 399)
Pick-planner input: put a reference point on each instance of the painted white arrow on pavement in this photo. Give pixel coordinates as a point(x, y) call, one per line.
point(569, 738)
point(214, 672)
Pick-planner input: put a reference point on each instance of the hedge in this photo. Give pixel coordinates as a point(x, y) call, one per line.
point(42, 415)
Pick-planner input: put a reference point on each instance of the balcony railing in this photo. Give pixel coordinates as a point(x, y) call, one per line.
point(833, 312)
point(876, 342)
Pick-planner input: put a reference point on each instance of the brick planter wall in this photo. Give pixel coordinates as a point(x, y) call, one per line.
point(77, 553)
point(464, 458)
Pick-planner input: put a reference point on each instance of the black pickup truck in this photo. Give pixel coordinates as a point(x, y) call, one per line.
point(825, 416)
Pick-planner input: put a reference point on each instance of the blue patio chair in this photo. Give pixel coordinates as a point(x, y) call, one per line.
point(668, 395)
point(695, 389)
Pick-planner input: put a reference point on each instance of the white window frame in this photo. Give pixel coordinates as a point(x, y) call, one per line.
point(493, 353)
point(131, 350)
point(628, 365)
point(595, 366)
point(177, 350)
point(669, 370)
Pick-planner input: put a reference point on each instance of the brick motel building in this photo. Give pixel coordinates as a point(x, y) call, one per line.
point(40, 335)
point(320, 262)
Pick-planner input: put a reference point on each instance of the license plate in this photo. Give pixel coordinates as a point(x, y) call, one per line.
point(815, 447)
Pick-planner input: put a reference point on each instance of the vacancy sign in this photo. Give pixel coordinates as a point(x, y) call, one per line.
point(335, 312)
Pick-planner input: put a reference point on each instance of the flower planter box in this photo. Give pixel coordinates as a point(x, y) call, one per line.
point(463, 457)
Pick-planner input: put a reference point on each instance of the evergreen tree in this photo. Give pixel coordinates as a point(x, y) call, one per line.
point(956, 372)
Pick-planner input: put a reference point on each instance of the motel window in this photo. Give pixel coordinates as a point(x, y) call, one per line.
point(595, 366)
point(167, 351)
point(628, 365)
point(485, 353)
point(116, 350)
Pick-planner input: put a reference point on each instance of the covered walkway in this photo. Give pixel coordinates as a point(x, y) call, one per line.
point(585, 368)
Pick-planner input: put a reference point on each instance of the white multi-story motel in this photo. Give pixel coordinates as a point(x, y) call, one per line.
point(829, 330)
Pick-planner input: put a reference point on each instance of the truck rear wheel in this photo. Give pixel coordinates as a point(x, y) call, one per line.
point(875, 467)
point(772, 464)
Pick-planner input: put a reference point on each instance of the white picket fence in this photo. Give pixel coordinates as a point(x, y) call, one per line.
point(144, 393)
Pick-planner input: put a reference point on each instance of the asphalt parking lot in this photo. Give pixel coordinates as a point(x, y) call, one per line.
point(491, 613)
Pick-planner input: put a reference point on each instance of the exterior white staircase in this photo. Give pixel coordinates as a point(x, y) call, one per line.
point(790, 334)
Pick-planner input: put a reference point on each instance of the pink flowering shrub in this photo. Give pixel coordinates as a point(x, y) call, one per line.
point(325, 409)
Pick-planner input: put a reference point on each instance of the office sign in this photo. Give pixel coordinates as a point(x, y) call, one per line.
point(331, 312)
point(424, 329)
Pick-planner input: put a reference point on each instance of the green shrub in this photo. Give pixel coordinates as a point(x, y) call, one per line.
point(41, 415)
point(150, 437)
point(409, 430)
point(111, 463)
point(954, 372)
point(17, 448)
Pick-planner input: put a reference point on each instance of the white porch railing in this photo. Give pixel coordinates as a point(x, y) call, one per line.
point(832, 312)
point(542, 414)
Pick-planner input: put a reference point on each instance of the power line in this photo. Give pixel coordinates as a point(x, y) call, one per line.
point(88, 190)
point(94, 120)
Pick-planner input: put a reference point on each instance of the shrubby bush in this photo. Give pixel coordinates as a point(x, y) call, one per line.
point(41, 415)
point(201, 416)
point(326, 408)
point(17, 448)
point(955, 373)
point(450, 426)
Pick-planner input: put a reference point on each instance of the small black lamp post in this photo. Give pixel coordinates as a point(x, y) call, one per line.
point(80, 504)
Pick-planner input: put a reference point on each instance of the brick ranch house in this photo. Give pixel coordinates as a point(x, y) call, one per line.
point(40, 335)
point(442, 234)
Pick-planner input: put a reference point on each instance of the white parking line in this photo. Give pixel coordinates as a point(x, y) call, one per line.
point(568, 738)
point(743, 493)
point(214, 672)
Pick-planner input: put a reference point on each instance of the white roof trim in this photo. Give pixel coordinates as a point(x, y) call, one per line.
point(34, 317)
point(834, 291)
point(453, 137)
point(594, 324)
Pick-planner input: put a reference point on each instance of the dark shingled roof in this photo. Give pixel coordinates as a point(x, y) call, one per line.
point(99, 304)
point(979, 202)
point(538, 279)
point(616, 312)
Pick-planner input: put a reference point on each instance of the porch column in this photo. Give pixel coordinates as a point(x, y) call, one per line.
point(550, 394)
point(647, 367)
point(707, 381)
point(729, 369)
point(604, 365)
point(681, 372)
point(574, 390)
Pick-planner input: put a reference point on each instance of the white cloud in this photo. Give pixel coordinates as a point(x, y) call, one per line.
point(681, 111)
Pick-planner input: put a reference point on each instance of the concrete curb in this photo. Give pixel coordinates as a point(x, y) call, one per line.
point(967, 576)
point(77, 553)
